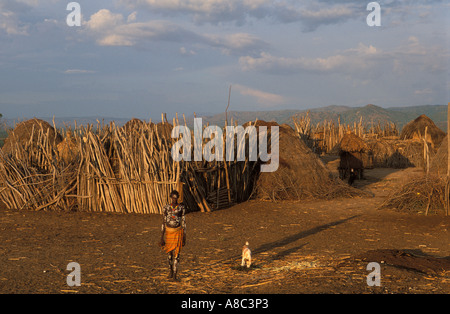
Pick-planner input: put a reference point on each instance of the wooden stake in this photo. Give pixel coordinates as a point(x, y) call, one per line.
point(447, 201)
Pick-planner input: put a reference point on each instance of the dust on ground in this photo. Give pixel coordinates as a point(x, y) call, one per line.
point(297, 247)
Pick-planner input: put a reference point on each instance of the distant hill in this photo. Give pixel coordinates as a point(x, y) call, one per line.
point(370, 114)
point(437, 113)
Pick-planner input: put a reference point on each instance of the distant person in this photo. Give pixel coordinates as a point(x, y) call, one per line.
point(173, 236)
point(352, 177)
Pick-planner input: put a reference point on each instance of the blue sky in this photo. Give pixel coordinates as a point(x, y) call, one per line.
point(143, 57)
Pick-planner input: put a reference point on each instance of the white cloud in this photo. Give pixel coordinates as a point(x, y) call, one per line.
point(132, 17)
point(184, 51)
point(359, 61)
point(78, 71)
point(312, 18)
point(310, 14)
point(424, 91)
point(111, 29)
point(213, 11)
point(10, 24)
point(37, 3)
point(237, 42)
point(347, 61)
point(104, 20)
point(261, 97)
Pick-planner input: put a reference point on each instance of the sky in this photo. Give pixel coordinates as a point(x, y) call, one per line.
point(139, 58)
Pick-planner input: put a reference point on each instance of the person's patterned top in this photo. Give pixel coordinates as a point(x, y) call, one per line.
point(174, 216)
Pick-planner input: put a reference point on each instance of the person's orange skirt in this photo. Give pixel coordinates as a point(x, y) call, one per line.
point(173, 240)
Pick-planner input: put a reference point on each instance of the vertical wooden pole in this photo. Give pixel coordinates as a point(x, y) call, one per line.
point(425, 151)
point(226, 110)
point(448, 162)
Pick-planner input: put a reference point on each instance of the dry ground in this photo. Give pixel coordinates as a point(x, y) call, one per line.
point(298, 247)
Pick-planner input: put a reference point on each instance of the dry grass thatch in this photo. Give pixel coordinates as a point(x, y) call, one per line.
point(354, 154)
point(416, 130)
point(164, 129)
point(397, 153)
point(352, 143)
point(28, 131)
point(68, 150)
point(301, 174)
point(424, 194)
point(134, 125)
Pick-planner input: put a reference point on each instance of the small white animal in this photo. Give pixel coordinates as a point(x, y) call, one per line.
point(246, 256)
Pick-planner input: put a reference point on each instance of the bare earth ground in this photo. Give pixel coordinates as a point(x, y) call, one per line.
point(298, 247)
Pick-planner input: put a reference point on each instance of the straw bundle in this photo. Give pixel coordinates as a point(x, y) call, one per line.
point(68, 149)
point(424, 194)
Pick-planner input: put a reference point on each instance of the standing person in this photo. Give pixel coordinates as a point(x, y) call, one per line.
point(173, 236)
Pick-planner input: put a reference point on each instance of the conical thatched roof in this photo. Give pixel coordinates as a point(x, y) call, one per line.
point(352, 143)
point(416, 130)
point(134, 125)
point(24, 130)
point(301, 174)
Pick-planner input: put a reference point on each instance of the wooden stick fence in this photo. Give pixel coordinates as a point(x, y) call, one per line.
point(116, 170)
point(324, 136)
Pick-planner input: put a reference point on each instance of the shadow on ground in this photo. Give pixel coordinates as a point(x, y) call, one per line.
point(295, 237)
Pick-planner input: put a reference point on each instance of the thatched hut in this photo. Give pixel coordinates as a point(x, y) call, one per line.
point(301, 174)
point(415, 130)
point(394, 153)
point(164, 130)
point(133, 125)
point(28, 132)
point(354, 154)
